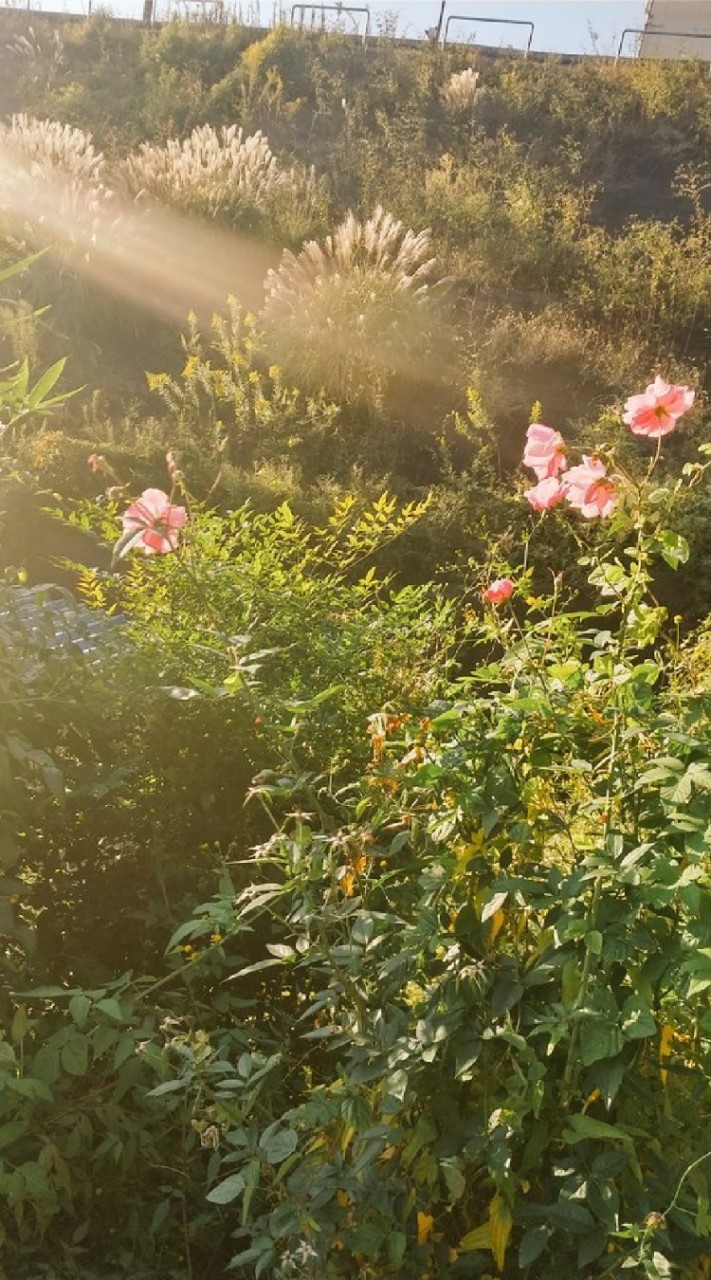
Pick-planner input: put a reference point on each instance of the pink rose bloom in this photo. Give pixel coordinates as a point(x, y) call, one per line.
point(545, 494)
point(589, 489)
point(657, 412)
point(544, 452)
point(499, 590)
point(155, 522)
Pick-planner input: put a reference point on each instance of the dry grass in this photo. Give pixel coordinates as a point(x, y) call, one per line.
point(218, 173)
point(461, 90)
point(347, 314)
point(47, 145)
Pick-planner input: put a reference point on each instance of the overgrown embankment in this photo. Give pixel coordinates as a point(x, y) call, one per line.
point(567, 204)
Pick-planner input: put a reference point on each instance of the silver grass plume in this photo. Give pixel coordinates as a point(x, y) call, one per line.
point(347, 314)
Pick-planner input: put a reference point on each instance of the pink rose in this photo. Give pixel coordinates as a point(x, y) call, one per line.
point(589, 489)
point(544, 452)
point(657, 412)
point(155, 523)
point(545, 494)
point(499, 590)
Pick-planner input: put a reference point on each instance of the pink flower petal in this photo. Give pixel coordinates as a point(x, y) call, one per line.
point(544, 451)
point(657, 412)
point(499, 590)
point(589, 490)
point(155, 521)
point(545, 494)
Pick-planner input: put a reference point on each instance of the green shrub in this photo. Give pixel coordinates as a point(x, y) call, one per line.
point(232, 403)
point(485, 966)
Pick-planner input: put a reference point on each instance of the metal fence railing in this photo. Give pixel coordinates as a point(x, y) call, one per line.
point(661, 35)
point(506, 22)
point(351, 19)
point(340, 10)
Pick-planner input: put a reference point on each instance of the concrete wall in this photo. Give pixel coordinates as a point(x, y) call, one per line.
point(693, 16)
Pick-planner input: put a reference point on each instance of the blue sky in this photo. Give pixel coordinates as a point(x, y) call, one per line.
point(562, 26)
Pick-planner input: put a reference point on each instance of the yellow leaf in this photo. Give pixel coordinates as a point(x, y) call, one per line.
point(666, 1035)
point(425, 1226)
point(500, 1223)
point(497, 921)
point(342, 1199)
point(347, 1135)
point(480, 1238)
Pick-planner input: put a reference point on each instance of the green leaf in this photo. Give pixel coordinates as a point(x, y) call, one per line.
point(673, 547)
point(638, 1021)
point(124, 1050)
point(74, 1056)
point(607, 1077)
point(11, 1131)
point(454, 1178)
point(168, 1086)
point(17, 267)
point(679, 792)
point(591, 1246)
point(570, 1216)
point(582, 1128)
point(281, 951)
point(593, 942)
point(48, 993)
point(253, 968)
point(28, 1087)
point(277, 1144)
point(251, 1178)
point(395, 1246)
point(45, 384)
point(79, 1007)
point(700, 775)
point(262, 1248)
point(20, 1024)
point(7, 1055)
point(111, 1007)
point(310, 704)
point(532, 1245)
point(227, 1191)
point(366, 1238)
point(46, 1063)
point(599, 1039)
point(189, 929)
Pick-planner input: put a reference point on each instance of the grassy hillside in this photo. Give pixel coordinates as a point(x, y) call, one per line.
point(567, 204)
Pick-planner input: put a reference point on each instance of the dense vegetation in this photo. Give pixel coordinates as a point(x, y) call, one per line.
point(355, 782)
